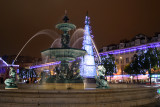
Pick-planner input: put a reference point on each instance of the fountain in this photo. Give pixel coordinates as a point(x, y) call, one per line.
point(65, 54)
point(32, 95)
point(88, 66)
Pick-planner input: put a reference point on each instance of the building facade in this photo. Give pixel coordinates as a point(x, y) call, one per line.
point(22, 61)
point(125, 50)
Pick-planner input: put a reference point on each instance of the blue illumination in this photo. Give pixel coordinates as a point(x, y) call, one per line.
point(87, 67)
point(5, 63)
point(44, 65)
point(47, 64)
point(17, 71)
point(158, 91)
point(155, 76)
point(132, 49)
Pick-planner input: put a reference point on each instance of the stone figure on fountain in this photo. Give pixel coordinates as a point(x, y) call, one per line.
point(11, 82)
point(65, 40)
point(100, 79)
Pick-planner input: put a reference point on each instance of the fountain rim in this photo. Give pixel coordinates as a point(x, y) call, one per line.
point(94, 90)
point(63, 48)
point(69, 25)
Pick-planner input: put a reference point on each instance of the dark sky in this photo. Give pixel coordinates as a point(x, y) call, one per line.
point(111, 21)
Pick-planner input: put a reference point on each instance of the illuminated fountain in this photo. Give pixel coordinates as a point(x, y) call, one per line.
point(124, 95)
point(65, 54)
point(81, 38)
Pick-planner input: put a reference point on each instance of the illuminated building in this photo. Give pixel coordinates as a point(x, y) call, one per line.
point(124, 51)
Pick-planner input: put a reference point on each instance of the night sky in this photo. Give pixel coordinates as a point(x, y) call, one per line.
point(111, 21)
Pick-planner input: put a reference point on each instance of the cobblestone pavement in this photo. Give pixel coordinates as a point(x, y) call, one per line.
point(157, 104)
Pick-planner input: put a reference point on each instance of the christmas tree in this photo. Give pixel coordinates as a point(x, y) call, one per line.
point(88, 68)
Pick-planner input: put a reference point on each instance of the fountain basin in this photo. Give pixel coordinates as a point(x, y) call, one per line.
point(62, 86)
point(124, 97)
point(63, 54)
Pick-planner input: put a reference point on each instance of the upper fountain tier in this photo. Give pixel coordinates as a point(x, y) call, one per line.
point(65, 53)
point(65, 27)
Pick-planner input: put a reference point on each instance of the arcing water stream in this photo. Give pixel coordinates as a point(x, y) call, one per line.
point(48, 32)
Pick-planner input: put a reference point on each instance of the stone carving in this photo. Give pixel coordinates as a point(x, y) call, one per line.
point(11, 82)
point(65, 40)
point(100, 79)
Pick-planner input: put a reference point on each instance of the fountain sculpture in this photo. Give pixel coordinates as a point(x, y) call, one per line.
point(65, 54)
point(100, 79)
point(11, 82)
point(62, 98)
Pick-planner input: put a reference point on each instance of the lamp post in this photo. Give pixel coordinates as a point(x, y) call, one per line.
point(131, 79)
point(121, 60)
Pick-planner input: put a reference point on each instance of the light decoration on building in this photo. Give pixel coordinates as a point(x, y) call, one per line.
point(44, 65)
point(132, 49)
point(3, 61)
point(120, 77)
point(8, 65)
point(158, 91)
point(47, 64)
point(87, 66)
point(27, 73)
point(13, 65)
point(155, 76)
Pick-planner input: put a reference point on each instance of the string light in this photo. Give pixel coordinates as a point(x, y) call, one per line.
point(132, 49)
point(44, 65)
point(87, 66)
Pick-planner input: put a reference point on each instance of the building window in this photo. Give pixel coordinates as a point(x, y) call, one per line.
point(122, 61)
point(132, 58)
point(143, 41)
point(132, 43)
point(137, 42)
point(122, 69)
point(127, 60)
point(117, 61)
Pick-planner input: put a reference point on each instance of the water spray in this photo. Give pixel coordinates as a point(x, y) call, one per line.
point(46, 32)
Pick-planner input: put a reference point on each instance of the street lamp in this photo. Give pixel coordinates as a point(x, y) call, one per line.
point(121, 66)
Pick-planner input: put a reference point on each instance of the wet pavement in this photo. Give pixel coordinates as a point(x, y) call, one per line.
point(156, 104)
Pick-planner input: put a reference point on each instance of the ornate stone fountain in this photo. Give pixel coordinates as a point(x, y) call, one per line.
point(65, 54)
point(67, 98)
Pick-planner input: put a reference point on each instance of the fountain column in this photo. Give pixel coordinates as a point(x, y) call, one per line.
point(65, 39)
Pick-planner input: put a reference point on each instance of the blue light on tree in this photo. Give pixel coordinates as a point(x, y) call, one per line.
point(88, 68)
